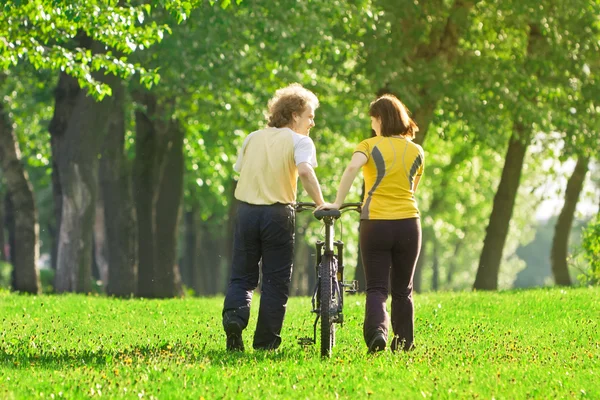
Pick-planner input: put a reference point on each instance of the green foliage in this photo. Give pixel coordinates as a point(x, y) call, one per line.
point(44, 34)
point(223, 60)
point(591, 253)
point(468, 345)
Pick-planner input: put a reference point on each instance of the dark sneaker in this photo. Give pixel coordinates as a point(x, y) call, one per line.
point(233, 330)
point(377, 343)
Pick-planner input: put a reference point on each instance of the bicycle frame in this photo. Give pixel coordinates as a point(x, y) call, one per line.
point(333, 251)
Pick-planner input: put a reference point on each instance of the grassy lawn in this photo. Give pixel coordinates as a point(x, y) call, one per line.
point(509, 345)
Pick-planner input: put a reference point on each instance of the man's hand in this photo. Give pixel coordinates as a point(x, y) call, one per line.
point(328, 206)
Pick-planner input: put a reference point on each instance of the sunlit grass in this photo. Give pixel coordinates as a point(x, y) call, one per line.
point(526, 344)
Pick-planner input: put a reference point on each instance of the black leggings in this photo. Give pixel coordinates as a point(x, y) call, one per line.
point(386, 244)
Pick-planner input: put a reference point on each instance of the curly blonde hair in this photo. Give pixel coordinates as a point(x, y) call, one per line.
point(287, 101)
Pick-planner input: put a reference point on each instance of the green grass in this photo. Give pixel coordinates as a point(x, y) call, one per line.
point(509, 345)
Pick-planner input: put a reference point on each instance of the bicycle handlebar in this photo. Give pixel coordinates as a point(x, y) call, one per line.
point(301, 206)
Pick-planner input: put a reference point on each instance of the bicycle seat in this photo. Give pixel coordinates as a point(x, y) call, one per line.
point(319, 214)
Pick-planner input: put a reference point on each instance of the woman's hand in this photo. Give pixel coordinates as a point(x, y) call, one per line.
point(329, 206)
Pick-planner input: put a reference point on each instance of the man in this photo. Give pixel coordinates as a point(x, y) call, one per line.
point(269, 164)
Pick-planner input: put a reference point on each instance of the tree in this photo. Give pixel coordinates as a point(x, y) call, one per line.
point(26, 230)
point(541, 82)
point(117, 197)
point(563, 224)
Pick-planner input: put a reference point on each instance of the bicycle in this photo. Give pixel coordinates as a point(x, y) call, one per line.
point(328, 295)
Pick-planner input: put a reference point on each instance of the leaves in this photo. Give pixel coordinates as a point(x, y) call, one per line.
point(43, 33)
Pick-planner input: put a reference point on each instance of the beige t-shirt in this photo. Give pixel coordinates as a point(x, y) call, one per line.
point(267, 163)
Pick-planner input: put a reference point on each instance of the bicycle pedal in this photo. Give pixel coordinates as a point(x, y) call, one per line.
point(351, 285)
point(306, 341)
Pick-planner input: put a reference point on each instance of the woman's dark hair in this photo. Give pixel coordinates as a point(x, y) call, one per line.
point(394, 116)
point(287, 101)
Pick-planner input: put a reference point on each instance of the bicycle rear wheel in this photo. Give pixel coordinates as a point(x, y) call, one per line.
point(327, 304)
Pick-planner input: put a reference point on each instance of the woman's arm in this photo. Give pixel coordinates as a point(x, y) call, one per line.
point(416, 183)
point(358, 160)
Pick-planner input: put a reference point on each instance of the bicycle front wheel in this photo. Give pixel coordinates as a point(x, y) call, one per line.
point(328, 304)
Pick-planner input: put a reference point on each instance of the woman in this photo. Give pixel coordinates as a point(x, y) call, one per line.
point(390, 229)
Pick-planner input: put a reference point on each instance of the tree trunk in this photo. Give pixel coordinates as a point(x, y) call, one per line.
point(25, 253)
point(418, 276)
point(209, 263)
point(99, 245)
point(158, 201)
point(2, 225)
point(359, 273)
point(231, 221)
point(202, 268)
point(10, 228)
point(65, 98)
point(422, 118)
point(562, 230)
point(145, 195)
point(453, 262)
point(435, 277)
point(504, 201)
point(119, 212)
point(168, 214)
point(300, 266)
point(304, 264)
point(78, 152)
point(188, 266)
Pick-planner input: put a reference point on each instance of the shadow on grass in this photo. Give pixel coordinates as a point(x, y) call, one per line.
point(144, 354)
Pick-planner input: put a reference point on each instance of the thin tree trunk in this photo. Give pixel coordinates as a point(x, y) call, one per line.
point(146, 176)
point(209, 271)
point(359, 273)
point(435, 277)
point(11, 228)
point(100, 245)
point(454, 261)
point(418, 276)
point(231, 221)
point(168, 214)
point(119, 211)
point(189, 249)
point(25, 253)
point(562, 229)
point(304, 265)
point(504, 202)
point(422, 118)
point(200, 276)
point(65, 99)
point(2, 227)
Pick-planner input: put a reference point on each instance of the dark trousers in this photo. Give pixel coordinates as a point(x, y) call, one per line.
point(390, 250)
point(267, 233)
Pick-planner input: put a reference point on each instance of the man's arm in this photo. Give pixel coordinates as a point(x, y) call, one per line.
point(358, 160)
point(310, 182)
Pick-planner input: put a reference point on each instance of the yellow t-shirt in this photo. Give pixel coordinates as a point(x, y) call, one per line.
point(393, 163)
